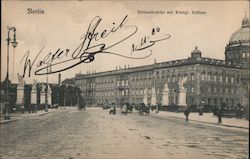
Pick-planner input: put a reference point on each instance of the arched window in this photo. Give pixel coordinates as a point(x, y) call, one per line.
point(226, 79)
point(203, 76)
point(243, 55)
point(209, 77)
point(173, 78)
point(192, 76)
point(220, 78)
point(232, 79)
point(215, 77)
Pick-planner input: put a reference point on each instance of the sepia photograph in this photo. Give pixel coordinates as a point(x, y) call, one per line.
point(104, 79)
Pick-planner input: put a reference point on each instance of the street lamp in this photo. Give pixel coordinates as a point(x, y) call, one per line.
point(47, 89)
point(14, 44)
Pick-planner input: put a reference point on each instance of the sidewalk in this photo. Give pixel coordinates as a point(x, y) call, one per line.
point(19, 115)
point(208, 118)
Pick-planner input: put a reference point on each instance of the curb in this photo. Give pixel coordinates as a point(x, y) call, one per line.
point(205, 122)
point(43, 114)
point(7, 121)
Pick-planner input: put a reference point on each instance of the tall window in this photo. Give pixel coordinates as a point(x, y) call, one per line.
point(202, 89)
point(192, 89)
point(192, 77)
point(203, 76)
point(215, 78)
point(232, 91)
point(215, 89)
point(226, 79)
point(168, 79)
point(243, 55)
point(173, 78)
point(208, 77)
point(209, 89)
point(220, 78)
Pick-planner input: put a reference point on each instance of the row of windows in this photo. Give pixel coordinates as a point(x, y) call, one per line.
point(236, 55)
point(191, 89)
point(168, 79)
point(207, 101)
point(226, 90)
point(219, 101)
point(220, 78)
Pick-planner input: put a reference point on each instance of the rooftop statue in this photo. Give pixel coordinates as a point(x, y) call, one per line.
point(20, 80)
point(166, 89)
point(181, 83)
point(34, 85)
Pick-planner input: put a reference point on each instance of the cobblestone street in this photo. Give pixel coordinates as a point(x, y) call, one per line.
point(73, 134)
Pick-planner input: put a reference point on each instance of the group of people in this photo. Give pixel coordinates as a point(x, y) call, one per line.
point(32, 108)
point(218, 112)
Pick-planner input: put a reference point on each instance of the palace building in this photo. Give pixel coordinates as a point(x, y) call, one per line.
point(209, 81)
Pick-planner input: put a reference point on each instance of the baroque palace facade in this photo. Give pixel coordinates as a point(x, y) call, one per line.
point(210, 81)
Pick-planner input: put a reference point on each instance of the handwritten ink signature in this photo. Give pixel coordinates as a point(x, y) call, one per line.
point(64, 59)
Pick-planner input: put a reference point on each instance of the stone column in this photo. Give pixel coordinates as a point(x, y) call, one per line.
point(145, 97)
point(20, 94)
point(42, 99)
point(153, 97)
point(165, 95)
point(34, 94)
point(182, 97)
point(49, 95)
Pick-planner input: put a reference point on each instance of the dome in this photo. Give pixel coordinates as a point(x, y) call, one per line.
point(242, 34)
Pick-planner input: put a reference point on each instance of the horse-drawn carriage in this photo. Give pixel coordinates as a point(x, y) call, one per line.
point(143, 109)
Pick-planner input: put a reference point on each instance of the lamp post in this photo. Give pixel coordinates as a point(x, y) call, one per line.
point(46, 90)
point(14, 44)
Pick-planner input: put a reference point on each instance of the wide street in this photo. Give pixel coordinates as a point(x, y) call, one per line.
point(94, 134)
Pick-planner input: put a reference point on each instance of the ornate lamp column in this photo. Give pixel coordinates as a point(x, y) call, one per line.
point(14, 44)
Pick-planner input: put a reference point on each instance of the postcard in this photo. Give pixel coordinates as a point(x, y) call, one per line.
point(124, 79)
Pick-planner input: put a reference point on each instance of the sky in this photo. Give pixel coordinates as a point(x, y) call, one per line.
point(64, 25)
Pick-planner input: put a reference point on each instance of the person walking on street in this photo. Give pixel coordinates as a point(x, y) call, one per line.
point(35, 107)
point(114, 110)
point(22, 108)
point(219, 114)
point(186, 113)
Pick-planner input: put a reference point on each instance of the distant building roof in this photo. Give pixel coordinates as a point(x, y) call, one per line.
point(68, 81)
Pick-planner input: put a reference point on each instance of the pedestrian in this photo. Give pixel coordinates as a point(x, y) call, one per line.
point(219, 114)
point(186, 113)
point(29, 106)
point(35, 107)
point(22, 108)
point(241, 111)
point(114, 110)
